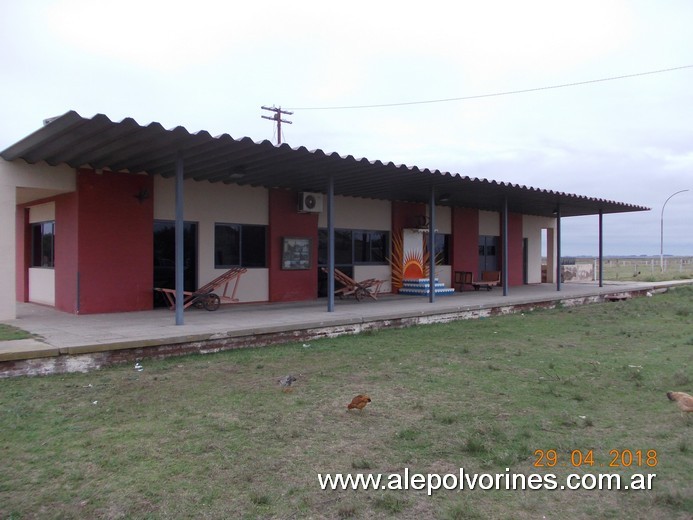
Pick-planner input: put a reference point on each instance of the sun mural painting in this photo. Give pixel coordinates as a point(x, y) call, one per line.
point(410, 258)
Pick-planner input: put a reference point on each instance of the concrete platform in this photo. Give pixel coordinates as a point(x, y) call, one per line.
point(67, 343)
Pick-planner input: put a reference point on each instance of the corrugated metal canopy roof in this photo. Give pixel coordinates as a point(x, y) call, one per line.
point(128, 146)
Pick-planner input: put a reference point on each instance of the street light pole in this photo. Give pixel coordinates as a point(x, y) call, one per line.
point(661, 231)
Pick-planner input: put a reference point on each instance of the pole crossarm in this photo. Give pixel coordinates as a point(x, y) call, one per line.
point(278, 118)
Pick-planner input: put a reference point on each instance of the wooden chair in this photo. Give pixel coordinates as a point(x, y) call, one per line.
point(351, 287)
point(489, 279)
point(205, 295)
point(462, 278)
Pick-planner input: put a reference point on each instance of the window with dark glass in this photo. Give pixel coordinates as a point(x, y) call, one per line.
point(43, 244)
point(370, 247)
point(355, 247)
point(253, 246)
point(242, 245)
point(322, 247)
point(343, 254)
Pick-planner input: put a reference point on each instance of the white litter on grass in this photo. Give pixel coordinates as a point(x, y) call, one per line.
point(139, 367)
point(94, 402)
point(635, 366)
point(306, 345)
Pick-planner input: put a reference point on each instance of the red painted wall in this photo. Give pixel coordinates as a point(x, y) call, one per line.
point(115, 243)
point(465, 240)
point(407, 215)
point(515, 249)
point(66, 250)
point(286, 221)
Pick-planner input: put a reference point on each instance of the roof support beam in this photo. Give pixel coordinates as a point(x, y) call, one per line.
point(601, 249)
point(559, 268)
point(504, 232)
point(431, 246)
point(330, 243)
point(179, 241)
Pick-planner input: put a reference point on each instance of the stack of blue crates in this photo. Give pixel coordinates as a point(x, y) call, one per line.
point(422, 287)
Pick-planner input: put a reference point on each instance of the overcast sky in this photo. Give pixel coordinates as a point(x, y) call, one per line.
point(210, 65)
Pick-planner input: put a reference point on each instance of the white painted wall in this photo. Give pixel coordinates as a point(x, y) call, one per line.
point(42, 279)
point(21, 183)
point(443, 219)
point(551, 251)
point(37, 181)
point(42, 285)
point(356, 213)
point(444, 274)
point(489, 223)
point(207, 204)
point(42, 213)
point(532, 228)
point(7, 249)
point(216, 202)
point(379, 272)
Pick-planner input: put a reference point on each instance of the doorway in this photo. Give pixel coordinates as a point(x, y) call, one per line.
point(165, 255)
point(488, 253)
point(525, 261)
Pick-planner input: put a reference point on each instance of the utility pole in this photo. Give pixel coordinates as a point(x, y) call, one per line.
point(278, 118)
point(661, 231)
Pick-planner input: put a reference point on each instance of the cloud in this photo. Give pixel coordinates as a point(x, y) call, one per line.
point(160, 35)
point(210, 64)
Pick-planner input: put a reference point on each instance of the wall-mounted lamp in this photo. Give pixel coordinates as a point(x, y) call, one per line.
point(237, 173)
point(142, 195)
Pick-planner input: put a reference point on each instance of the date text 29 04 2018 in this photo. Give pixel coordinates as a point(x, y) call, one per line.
point(585, 458)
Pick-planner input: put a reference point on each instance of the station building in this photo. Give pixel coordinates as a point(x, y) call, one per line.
point(90, 207)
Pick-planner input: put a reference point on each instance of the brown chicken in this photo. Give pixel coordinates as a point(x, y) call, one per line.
point(286, 382)
point(360, 401)
point(684, 401)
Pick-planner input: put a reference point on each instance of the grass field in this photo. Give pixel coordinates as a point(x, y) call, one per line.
point(648, 269)
point(214, 437)
point(7, 333)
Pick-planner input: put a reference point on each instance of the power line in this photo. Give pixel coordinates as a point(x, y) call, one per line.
point(496, 94)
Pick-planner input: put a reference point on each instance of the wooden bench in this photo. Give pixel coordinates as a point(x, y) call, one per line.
point(489, 279)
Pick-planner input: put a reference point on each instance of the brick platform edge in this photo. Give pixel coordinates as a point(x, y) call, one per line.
point(93, 357)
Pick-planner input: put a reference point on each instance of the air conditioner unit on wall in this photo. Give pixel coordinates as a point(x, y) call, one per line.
point(310, 202)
